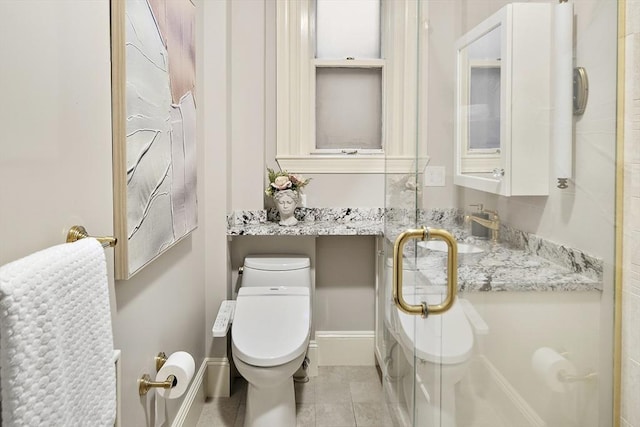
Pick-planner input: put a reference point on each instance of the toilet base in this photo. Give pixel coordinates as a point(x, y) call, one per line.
point(439, 410)
point(271, 400)
point(434, 402)
point(271, 406)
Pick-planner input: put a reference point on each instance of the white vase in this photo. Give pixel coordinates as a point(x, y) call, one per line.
point(286, 202)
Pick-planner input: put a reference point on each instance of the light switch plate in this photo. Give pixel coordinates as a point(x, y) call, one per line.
point(434, 176)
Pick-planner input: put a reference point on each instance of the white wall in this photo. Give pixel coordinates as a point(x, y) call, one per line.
point(55, 171)
point(214, 91)
point(630, 413)
point(247, 81)
point(344, 283)
point(564, 321)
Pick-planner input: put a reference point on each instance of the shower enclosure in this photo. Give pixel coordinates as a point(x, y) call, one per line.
point(529, 340)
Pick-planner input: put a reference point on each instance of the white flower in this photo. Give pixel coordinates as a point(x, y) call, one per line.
point(281, 183)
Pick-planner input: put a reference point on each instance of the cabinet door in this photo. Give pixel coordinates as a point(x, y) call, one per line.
point(503, 103)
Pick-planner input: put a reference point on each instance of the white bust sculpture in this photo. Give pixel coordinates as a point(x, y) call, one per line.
point(286, 202)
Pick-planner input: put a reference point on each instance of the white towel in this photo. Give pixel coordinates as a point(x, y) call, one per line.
point(56, 342)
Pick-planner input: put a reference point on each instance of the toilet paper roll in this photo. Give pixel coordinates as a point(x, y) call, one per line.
point(182, 366)
point(550, 365)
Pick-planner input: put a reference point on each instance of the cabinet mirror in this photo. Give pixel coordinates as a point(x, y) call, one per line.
point(502, 103)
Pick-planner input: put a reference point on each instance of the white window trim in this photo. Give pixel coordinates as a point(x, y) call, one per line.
point(295, 122)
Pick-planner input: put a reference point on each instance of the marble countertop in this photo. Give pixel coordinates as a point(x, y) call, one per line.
point(311, 228)
point(311, 222)
point(503, 268)
point(520, 262)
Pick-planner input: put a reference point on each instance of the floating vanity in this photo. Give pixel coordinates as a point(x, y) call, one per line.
point(520, 262)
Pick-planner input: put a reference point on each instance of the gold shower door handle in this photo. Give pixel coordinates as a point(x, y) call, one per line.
point(452, 270)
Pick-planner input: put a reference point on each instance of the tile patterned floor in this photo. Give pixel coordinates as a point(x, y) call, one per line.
point(340, 396)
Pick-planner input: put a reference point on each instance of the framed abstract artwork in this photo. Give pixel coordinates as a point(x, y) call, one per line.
point(154, 128)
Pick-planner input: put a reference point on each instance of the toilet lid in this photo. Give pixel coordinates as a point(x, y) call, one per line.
point(445, 338)
point(279, 263)
point(271, 325)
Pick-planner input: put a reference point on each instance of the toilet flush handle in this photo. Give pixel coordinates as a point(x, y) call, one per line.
point(452, 271)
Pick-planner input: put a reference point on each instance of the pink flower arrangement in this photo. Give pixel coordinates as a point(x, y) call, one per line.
point(283, 180)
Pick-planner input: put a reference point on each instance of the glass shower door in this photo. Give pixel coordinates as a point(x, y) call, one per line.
point(409, 345)
point(529, 341)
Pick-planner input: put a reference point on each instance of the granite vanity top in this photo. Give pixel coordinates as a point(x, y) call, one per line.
point(502, 267)
point(311, 222)
point(520, 262)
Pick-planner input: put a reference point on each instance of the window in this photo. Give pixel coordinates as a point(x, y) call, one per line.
point(347, 29)
point(348, 110)
point(347, 91)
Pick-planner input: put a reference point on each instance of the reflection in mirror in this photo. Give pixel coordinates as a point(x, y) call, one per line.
point(484, 107)
point(483, 71)
point(480, 101)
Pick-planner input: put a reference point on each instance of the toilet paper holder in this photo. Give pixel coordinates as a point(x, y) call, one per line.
point(145, 383)
point(564, 377)
point(568, 378)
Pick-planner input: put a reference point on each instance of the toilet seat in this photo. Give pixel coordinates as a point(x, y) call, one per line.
point(445, 339)
point(271, 325)
point(281, 263)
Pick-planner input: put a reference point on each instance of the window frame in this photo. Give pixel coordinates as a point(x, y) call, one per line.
point(295, 81)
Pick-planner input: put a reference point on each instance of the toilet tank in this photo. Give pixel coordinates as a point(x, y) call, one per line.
point(276, 270)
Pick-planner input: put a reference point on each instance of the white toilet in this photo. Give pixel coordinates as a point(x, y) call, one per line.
point(443, 347)
point(270, 335)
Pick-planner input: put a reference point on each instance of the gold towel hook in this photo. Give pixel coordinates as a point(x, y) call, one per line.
point(78, 232)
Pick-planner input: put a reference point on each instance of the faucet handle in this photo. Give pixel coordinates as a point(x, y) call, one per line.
point(480, 207)
point(493, 213)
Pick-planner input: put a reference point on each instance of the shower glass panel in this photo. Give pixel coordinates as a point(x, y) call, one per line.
point(406, 344)
point(529, 342)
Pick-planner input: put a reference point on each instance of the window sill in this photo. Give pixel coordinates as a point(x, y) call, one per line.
point(351, 164)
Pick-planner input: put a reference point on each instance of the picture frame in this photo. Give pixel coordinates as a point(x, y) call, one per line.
point(154, 129)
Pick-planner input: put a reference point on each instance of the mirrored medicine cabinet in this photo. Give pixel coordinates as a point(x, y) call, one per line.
point(503, 98)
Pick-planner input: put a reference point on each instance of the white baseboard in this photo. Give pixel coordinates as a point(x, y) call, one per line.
point(346, 348)
point(191, 407)
point(218, 382)
point(512, 406)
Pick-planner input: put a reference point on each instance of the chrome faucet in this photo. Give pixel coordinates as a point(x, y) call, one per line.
point(493, 223)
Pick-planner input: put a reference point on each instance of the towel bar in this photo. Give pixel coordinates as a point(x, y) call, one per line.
point(78, 232)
